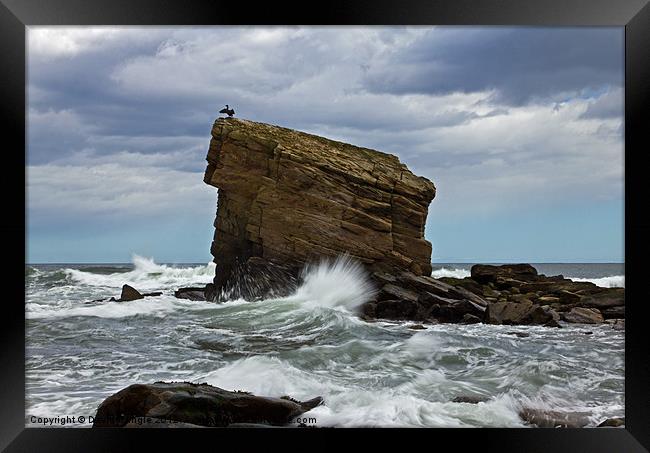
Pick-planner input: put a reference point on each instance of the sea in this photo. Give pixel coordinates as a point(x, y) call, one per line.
point(312, 343)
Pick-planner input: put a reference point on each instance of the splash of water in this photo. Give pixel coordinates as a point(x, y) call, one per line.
point(341, 283)
point(455, 273)
point(146, 274)
point(613, 281)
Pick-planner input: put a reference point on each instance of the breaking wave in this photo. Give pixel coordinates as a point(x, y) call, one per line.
point(613, 281)
point(455, 273)
point(146, 275)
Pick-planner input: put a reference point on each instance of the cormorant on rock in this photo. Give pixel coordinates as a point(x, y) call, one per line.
point(228, 111)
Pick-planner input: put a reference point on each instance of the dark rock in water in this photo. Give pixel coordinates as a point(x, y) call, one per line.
point(484, 273)
point(470, 319)
point(618, 324)
point(581, 315)
point(417, 327)
point(554, 419)
point(129, 293)
point(196, 404)
point(553, 323)
point(520, 334)
point(613, 312)
point(154, 294)
point(255, 279)
point(469, 399)
point(191, 293)
point(615, 422)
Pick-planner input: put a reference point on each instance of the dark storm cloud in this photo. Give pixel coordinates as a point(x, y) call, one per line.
point(520, 64)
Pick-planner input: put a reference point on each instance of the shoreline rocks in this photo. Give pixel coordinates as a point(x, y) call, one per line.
point(287, 199)
point(171, 403)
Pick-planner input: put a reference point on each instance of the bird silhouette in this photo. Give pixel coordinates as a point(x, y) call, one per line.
point(228, 111)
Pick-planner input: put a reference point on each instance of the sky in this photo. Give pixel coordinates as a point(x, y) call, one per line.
point(520, 129)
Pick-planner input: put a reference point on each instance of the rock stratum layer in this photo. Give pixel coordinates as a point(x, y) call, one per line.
point(287, 198)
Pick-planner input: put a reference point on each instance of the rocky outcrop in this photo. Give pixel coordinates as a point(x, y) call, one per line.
point(170, 403)
point(128, 294)
point(287, 198)
point(517, 294)
point(405, 295)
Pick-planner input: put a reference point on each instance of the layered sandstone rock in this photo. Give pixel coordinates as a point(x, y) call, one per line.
point(287, 198)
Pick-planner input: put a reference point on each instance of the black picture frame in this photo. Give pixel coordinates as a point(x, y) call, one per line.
point(634, 15)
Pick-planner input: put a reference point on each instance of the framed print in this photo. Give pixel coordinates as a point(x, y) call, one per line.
point(360, 219)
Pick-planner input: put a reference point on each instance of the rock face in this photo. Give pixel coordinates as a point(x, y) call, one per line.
point(287, 198)
point(194, 404)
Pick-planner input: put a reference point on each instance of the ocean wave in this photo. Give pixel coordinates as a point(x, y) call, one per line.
point(612, 281)
point(159, 306)
point(146, 275)
point(455, 273)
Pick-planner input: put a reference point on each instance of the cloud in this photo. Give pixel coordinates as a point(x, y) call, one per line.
point(609, 105)
point(65, 42)
point(520, 64)
point(502, 119)
point(115, 193)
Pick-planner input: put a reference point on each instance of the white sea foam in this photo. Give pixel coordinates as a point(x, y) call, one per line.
point(341, 283)
point(346, 404)
point(150, 306)
point(147, 275)
point(455, 273)
point(613, 281)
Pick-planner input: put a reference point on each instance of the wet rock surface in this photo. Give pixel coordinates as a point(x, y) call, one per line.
point(195, 404)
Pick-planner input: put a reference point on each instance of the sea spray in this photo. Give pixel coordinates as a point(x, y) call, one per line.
point(339, 283)
point(146, 275)
point(455, 273)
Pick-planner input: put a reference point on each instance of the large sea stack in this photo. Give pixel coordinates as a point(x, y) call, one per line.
point(287, 198)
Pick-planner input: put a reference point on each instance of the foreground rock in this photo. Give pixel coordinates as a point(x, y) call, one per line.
point(554, 419)
point(287, 198)
point(615, 422)
point(195, 404)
